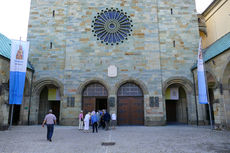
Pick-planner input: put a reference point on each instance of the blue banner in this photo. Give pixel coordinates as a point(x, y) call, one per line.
point(18, 64)
point(17, 81)
point(202, 88)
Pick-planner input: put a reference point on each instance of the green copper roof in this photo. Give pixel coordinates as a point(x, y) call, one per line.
point(5, 46)
point(216, 48)
point(5, 49)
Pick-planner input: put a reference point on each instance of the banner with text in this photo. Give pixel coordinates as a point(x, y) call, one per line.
point(18, 64)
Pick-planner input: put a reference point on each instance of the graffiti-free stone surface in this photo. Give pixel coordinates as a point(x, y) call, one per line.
point(162, 47)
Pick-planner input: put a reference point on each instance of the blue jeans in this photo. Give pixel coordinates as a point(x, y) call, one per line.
point(50, 130)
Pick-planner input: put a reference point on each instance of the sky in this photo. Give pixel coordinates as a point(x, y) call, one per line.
point(14, 16)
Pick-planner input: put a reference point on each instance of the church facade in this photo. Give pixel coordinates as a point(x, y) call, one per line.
point(129, 57)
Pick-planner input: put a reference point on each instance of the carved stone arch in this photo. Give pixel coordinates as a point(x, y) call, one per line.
point(210, 73)
point(224, 79)
point(38, 85)
point(83, 85)
point(138, 82)
point(184, 82)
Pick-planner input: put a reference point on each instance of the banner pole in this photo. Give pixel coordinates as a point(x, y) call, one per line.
point(11, 116)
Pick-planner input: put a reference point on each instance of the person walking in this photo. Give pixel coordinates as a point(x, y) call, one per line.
point(107, 118)
point(114, 118)
point(86, 122)
point(50, 120)
point(94, 121)
point(81, 121)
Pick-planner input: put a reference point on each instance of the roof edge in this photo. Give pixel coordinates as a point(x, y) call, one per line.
point(210, 7)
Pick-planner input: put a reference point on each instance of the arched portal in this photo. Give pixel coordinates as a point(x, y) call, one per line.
point(225, 90)
point(130, 105)
point(49, 99)
point(94, 98)
point(176, 104)
point(211, 85)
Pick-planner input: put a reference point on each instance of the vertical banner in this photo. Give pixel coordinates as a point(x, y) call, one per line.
point(202, 89)
point(18, 64)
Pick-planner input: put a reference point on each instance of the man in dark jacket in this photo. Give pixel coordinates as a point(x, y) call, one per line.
point(107, 118)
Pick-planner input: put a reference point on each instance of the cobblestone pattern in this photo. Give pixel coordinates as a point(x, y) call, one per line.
point(140, 139)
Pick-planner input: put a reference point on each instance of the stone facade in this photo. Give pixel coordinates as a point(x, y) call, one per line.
point(218, 68)
point(4, 95)
point(159, 53)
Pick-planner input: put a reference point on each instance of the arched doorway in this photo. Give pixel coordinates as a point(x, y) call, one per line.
point(176, 104)
point(130, 105)
point(211, 85)
point(94, 98)
point(225, 90)
point(49, 99)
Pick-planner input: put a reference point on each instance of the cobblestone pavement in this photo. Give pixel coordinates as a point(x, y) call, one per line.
point(128, 139)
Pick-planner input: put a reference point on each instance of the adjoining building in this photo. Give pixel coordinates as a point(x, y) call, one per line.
point(20, 115)
point(215, 33)
point(123, 56)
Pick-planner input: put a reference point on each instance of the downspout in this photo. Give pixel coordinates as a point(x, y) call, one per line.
point(31, 87)
point(194, 86)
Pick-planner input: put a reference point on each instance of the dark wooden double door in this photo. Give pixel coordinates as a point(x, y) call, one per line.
point(94, 104)
point(130, 111)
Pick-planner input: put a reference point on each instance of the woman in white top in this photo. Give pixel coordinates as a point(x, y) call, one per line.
point(114, 118)
point(86, 121)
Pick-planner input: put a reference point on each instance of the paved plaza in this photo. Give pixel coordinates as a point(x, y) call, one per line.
point(128, 139)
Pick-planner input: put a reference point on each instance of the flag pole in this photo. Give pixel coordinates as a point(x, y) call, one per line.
point(202, 84)
point(11, 116)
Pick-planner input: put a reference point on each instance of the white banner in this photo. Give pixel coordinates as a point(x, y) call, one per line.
point(174, 93)
point(19, 55)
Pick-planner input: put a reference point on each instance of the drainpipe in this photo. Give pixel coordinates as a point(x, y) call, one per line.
point(31, 87)
point(194, 86)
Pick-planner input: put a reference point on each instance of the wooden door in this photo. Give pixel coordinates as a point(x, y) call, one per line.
point(171, 110)
point(130, 111)
point(88, 104)
point(136, 111)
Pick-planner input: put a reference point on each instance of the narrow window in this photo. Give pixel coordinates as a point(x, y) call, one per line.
point(171, 11)
point(51, 45)
point(53, 13)
point(174, 43)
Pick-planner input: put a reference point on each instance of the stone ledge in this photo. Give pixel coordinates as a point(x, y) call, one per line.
point(155, 123)
point(5, 127)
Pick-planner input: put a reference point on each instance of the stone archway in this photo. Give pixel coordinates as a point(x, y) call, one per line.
point(94, 98)
point(43, 99)
point(135, 81)
point(226, 93)
point(212, 84)
point(130, 104)
point(183, 105)
point(95, 80)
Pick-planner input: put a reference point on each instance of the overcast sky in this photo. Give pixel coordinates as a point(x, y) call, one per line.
point(14, 15)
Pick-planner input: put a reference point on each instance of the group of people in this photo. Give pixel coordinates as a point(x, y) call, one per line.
point(98, 119)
